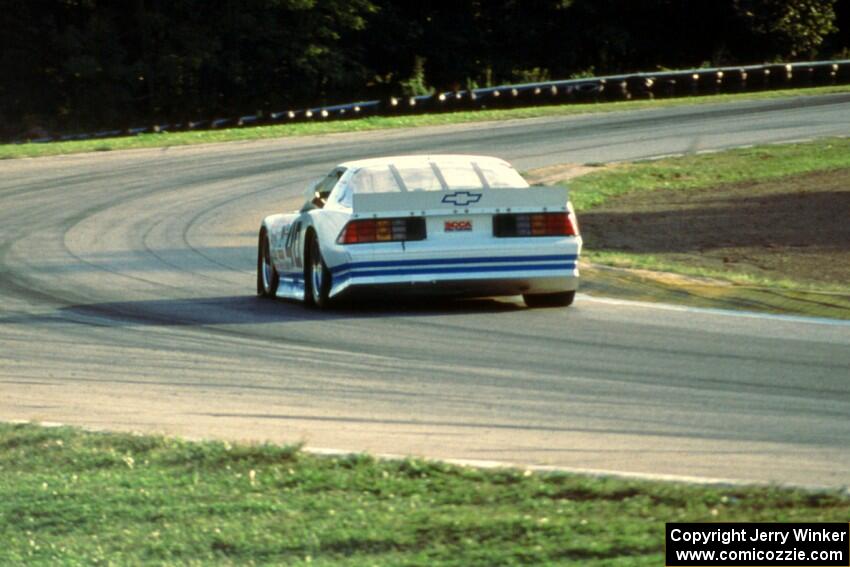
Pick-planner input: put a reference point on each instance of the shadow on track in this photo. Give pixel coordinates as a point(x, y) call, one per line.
point(250, 310)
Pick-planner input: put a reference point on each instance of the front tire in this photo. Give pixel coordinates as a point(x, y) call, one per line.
point(267, 276)
point(317, 278)
point(563, 299)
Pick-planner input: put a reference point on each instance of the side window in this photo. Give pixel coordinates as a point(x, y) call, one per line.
point(341, 195)
point(325, 186)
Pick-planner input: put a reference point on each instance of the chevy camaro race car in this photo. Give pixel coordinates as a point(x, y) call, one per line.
point(453, 224)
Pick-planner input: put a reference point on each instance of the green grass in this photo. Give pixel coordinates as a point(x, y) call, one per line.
point(749, 294)
point(710, 170)
point(74, 498)
point(379, 123)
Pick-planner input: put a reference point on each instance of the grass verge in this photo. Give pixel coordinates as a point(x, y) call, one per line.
point(762, 228)
point(710, 171)
point(76, 498)
point(168, 139)
point(658, 286)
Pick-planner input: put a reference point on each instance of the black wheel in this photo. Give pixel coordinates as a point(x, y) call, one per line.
point(267, 277)
point(562, 299)
point(317, 277)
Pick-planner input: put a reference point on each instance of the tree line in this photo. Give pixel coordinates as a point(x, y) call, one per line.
point(74, 65)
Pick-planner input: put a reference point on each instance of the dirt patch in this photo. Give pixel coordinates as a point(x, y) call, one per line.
point(795, 228)
point(556, 174)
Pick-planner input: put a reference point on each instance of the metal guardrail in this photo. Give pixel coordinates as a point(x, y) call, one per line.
point(690, 82)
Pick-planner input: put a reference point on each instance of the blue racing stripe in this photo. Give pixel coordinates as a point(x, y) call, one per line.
point(449, 261)
point(459, 270)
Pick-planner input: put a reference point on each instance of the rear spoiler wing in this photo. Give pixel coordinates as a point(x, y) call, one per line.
point(480, 201)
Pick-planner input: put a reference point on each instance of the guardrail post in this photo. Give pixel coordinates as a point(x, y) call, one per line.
point(842, 73)
point(640, 87)
point(705, 82)
point(801, 76)
point(718, 82)
point(442, 102)
point(780, 76)
point(761, 79)
point(392, 105)
point(589, 91)
point(664, 87)
point(619, 90)
point(823, 73)
point(534, 96)
point(695, 84)
point(735, 80)
point(553, 94)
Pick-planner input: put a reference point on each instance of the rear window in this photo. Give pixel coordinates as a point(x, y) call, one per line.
point(374, 180)
point(435, 176)
point(418, 178)
point(502, 176)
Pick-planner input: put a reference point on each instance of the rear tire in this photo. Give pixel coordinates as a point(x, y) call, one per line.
point(267, 276)
point(317, 277)
point(563, 299)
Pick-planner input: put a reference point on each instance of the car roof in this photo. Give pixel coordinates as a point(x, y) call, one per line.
point(424, 159)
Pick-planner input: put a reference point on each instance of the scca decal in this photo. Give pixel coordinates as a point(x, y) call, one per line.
point(458, 226)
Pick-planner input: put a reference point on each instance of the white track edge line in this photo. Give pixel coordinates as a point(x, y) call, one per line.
point(715, 311)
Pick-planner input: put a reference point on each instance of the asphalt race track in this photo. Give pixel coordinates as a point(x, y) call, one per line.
point(127, 302)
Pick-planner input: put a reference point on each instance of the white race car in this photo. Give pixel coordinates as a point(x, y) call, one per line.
point(453, 224)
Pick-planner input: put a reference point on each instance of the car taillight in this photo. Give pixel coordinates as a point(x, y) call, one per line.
point(535, 224)
point(382, 230)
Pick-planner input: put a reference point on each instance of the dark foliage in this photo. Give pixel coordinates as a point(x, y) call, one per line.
point(85, 64)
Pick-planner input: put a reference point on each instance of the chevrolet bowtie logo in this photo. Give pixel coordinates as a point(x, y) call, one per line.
point(462, 198)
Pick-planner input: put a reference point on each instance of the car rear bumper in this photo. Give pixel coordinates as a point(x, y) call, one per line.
point(508, 274)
